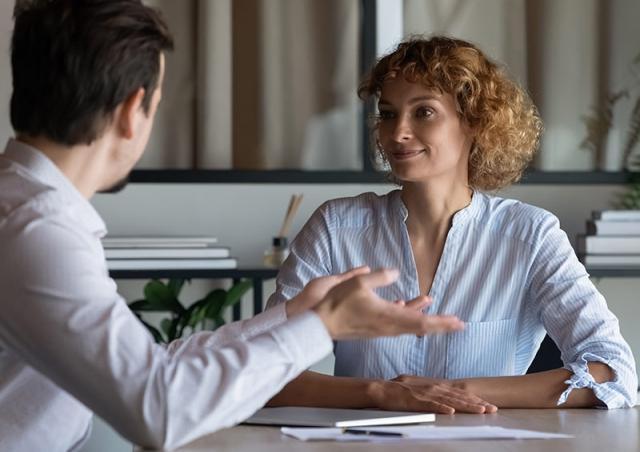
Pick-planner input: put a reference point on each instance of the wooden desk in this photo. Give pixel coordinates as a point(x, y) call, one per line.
point(593, 430)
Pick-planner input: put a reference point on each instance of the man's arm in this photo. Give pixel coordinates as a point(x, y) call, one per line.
point(66, 320)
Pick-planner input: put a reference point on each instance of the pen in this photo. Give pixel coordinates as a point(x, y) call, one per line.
point(370, 432)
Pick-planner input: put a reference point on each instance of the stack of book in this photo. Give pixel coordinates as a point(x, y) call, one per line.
point(612, 240)
point(166, 253)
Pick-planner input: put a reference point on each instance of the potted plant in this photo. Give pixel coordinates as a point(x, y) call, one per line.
point(206, 313)
point(599, 123)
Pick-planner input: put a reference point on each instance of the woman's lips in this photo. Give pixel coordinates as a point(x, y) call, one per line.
point(407, 154)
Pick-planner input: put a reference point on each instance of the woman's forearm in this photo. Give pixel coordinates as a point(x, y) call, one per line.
point(320, 390)
point(538, 390)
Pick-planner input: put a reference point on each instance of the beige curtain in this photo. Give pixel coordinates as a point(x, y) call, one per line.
point(295, 71)
point(172, 141)
point(264, 84)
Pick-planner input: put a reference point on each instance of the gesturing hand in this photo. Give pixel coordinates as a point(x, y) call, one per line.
point(352, 309)
point(318, 288)
point(410, 393)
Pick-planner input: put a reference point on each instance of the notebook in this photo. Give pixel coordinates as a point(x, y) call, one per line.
point(335, 417)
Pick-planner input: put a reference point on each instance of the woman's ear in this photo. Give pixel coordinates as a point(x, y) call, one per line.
point(127, 113)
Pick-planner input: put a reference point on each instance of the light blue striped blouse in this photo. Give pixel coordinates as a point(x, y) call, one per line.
point(507, 270)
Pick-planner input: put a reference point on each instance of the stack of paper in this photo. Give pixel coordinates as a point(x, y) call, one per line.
point(416, 432)
point(612, 240)
point(166, 253)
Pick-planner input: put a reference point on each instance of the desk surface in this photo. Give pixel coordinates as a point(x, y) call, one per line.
point(593, 430)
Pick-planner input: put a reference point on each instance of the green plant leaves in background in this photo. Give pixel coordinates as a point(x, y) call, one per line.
point(236, 292)
point(206, 312)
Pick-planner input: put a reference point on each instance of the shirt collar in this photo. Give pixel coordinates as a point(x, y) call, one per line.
point(460, 217)
point(41, 168)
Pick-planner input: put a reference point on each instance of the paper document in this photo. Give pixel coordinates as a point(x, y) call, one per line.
point(416, 432)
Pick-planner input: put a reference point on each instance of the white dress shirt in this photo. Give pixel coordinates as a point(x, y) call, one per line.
point(69, 344)
point(507, 270)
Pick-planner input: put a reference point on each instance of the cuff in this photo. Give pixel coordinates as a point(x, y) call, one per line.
point(606, 392)
point(264, 321)
point(306, 337)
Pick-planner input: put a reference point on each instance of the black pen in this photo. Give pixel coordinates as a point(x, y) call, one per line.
point(370, 432)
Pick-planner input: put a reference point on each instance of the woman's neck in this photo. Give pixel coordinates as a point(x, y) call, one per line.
point(431, 206)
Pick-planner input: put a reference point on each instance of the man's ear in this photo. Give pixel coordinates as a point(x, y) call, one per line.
point(127, 116)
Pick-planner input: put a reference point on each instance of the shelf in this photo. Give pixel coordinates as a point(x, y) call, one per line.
point(613, 272)
point(232, 273)
point(352, 177)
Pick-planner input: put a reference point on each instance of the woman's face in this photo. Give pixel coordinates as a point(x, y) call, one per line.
point(421, 134)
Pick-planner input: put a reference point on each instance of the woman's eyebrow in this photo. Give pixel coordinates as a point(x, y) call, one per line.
point(413, 100)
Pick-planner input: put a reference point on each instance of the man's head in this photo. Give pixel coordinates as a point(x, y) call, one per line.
point(79, 64)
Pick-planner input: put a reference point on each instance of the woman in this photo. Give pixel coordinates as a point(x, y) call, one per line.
point(451, 125)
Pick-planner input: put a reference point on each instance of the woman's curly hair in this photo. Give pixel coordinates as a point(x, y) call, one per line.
point(506, 123)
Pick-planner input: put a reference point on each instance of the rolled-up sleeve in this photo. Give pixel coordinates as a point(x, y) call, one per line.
point(578, 320)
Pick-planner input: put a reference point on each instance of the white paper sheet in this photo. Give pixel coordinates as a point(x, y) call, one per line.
point(418, 432)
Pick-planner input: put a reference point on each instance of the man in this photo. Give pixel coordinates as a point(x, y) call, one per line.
point(87, 78)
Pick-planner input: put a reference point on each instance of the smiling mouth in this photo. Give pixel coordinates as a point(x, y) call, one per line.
point(404, 155)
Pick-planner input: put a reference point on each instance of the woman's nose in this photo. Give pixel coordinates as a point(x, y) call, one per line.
point(402, 131)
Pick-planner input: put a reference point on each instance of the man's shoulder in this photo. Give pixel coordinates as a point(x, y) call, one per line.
point(23, 199)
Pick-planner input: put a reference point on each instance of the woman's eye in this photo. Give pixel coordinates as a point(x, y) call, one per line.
point(424, 112)
point(383, 115)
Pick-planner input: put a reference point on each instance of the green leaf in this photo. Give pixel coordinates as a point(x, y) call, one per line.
point(234, 295)
point(214, 302)
point(175, 286)
point(218, 322)
point(198, 315)
point(144, 305)
point(165, 326)
point(173, 329)
point(161, 297)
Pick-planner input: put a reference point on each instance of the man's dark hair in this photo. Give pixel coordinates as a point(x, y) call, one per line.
point(74, 61)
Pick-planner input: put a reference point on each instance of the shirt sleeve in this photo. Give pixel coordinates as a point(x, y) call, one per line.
point(578, 320)
point(310, 257)
point(66, 320)
point(240, 330)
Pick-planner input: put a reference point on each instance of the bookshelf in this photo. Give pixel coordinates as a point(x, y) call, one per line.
point(256, 274)
point(613, 272)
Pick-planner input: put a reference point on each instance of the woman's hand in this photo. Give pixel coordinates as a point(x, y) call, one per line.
point(410, 393)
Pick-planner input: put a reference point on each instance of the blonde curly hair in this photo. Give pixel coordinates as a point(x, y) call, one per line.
point(506, 123)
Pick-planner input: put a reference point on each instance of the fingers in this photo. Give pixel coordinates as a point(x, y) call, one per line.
point(379, 278)
point(419, 303)
point(362, 270)
point(440, 324)
point(464, 401)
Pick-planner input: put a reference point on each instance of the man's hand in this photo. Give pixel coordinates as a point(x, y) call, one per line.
point(317, 289)
point(410, 393)
point(351, 309)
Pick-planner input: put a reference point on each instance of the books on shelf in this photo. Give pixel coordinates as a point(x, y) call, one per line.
point(616, 215)
point(158, 242)
point(172, 264)
point(166, 253)
point(612, 240)
point(611, 260)
point(603, 227)
point(624, 244)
